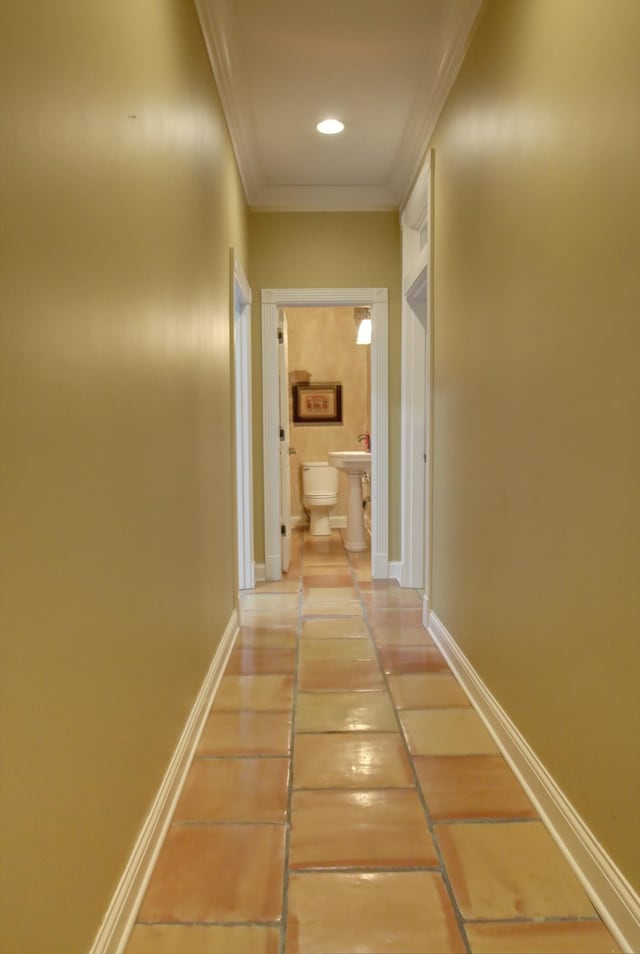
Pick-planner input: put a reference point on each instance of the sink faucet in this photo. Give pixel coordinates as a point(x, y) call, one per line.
point(366, 439)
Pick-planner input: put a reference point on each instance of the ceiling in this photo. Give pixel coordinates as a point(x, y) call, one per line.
point(383, 67)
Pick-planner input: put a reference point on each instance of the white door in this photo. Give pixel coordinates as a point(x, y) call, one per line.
point(285, 481)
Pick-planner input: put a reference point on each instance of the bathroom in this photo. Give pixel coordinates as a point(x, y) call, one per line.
point(322, 349)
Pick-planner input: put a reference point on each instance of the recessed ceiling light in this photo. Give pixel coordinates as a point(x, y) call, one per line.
point(330, 127)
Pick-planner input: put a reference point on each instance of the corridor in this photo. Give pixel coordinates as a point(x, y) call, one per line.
point(346, 799)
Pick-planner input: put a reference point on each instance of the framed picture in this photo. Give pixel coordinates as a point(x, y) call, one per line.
point(317, 403)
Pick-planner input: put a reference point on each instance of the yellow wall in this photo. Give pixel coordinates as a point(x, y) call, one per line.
point(323, 342)
point(120, 199)
point(328, 250)
point(536, 569)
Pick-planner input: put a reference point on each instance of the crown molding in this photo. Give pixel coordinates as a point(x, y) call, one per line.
point(215, 22)
point(324, 199)
point(429, 105)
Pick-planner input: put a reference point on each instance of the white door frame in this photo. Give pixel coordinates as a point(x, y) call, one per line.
point(244, 455)
point(377, 299)
point(417, 387)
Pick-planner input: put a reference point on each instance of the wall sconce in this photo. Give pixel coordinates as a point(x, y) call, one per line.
point(362, 318)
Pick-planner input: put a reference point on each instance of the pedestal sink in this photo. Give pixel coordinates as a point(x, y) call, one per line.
point(354, 464)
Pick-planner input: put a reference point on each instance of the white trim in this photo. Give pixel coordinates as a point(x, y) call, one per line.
point(395, 571)
point(260, 573)
point(377, 299)
point(244, 448)
point(416, 394)
point(120, 918)
point(428, 108)
point(318, 198)
point(336, 522)
point(221, 40)
point(610, 892)
point(233, 96)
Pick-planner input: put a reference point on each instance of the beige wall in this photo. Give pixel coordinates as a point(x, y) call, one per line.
point(323, 342)
point(120, 199)
point(328, 250)
point(537, 411)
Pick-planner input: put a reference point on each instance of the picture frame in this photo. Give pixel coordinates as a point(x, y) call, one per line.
point(317, 403)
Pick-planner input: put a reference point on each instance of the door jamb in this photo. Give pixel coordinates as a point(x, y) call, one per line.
point(417, 387)
point(243, 435)
point(377, 299)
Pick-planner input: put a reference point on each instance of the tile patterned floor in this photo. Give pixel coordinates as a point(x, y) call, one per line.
point(346, 799)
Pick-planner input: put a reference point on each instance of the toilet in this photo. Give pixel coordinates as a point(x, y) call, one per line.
point(320, 494)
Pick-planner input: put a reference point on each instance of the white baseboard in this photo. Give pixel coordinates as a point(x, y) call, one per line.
point(120, 918)
point(395, 571)
point(613, 897)
point(260, 573)
point(426, 609)
point(379, 566)
point(336, 523)
point(273, 566)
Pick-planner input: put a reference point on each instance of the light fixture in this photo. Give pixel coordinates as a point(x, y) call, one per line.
point(362, 318)
point(330, 127)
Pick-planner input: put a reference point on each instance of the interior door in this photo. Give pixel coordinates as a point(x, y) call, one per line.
point(285, 480)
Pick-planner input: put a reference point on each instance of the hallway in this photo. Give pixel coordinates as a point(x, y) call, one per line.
point(346, 798)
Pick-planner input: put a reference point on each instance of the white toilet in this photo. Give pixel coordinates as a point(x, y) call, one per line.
point(320, 494)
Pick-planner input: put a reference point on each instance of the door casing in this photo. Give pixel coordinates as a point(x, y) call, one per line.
point(417, 386)
point(377, 299)
point(243, 435)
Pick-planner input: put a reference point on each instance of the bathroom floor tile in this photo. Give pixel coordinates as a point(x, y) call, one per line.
point(266, 637)
point(336, 649)
point(260, 661)
point(510, 870)
point(323, 675)
point(446, 732)
point(371, 913)
point(235, 790)
point(324, 593)
point(324, 554)
point(203, 939)
point(360, 559)
point(426, 690)
point(345, 712)
point(471, 786)
point(208, 873)
point(399, 659)
point(400, 634)
point(365, 829)
point(258, 693)
point(331, 608)
point(362, 574)
point(565, 937)
point(245, 733)
point(325, 576)
point(351, 760)
point(334, 628)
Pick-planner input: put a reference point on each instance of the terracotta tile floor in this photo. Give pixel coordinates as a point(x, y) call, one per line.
point(346, 799)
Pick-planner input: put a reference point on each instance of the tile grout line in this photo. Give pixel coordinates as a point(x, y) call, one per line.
point(292, 736)
point(441, 865)
point(440, 868)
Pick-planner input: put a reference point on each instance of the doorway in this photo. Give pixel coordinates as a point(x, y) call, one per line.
point(324, 353)
point(273, 300)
